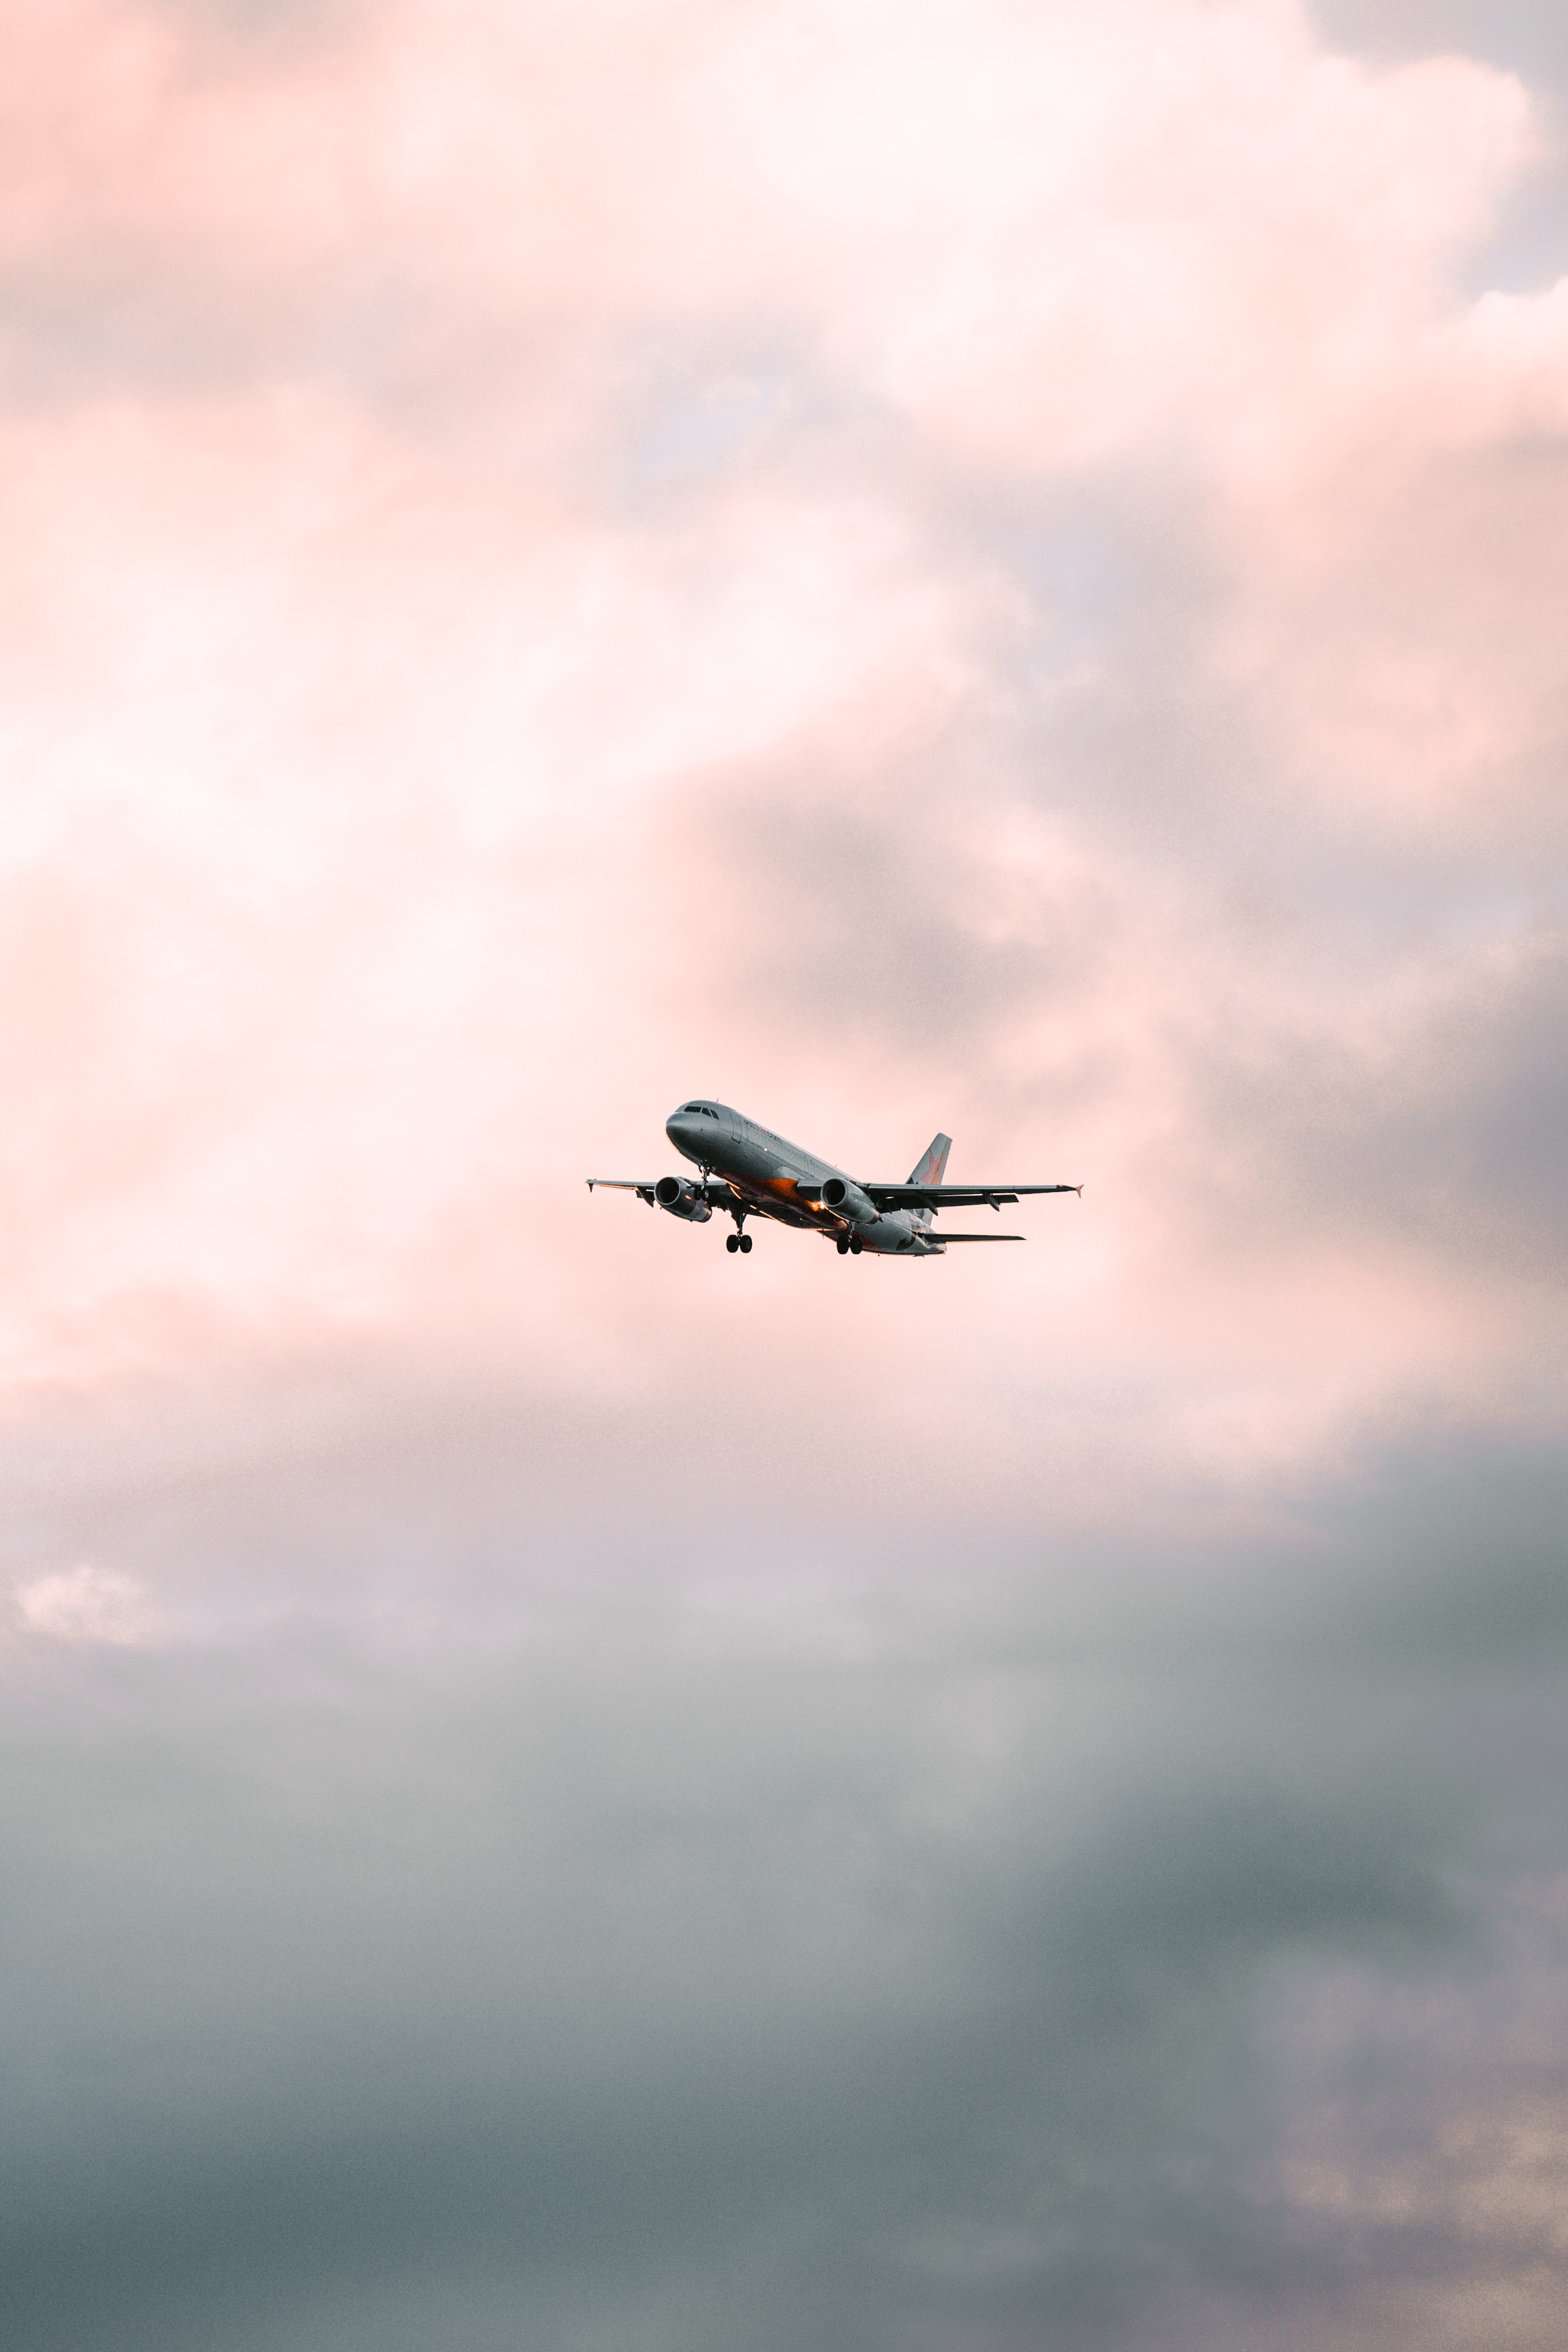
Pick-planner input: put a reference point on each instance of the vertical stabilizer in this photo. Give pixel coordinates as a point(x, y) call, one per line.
point(929, 1169)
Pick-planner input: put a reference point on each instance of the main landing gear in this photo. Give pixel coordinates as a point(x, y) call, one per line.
point(742, 1242)
point(848, 1248)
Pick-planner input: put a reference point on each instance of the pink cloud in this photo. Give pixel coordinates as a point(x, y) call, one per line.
point(382, 696)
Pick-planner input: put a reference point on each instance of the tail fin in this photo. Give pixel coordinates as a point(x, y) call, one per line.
point(929, 1169)
point(931, 1166)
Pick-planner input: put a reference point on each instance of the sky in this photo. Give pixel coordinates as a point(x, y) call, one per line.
point(996, 568)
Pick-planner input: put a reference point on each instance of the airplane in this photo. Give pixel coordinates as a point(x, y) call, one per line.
point(747, 1171)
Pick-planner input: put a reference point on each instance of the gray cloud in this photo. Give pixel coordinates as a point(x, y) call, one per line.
point(1443, 1131)
point(874, 910)
point(1525, 37)
point(660, 1978)
point(240, 35)
point(1529, 245)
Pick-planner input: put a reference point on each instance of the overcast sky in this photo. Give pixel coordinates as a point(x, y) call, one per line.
point(999, 567)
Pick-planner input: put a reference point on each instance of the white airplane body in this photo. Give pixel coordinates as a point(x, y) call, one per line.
point(748, 1171)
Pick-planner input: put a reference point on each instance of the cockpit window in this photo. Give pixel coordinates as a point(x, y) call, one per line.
point(699, 1110)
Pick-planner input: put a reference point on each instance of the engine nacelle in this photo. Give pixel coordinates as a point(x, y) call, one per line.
point(682, 1200)
point(847, 1201)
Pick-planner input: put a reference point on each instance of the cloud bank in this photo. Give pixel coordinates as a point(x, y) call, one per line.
point(909, 568)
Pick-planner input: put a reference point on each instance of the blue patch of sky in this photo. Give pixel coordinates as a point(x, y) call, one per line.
point(693, 423)
point(1083, 578)
point(1529, 247)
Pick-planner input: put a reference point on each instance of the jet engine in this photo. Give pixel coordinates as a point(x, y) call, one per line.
point(682, 1200)
point(848, 1202)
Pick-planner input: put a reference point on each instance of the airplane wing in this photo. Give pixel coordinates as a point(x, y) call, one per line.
point(718, 1196)
point(944, 1196)
point(945, 1238)
point(956, 1196)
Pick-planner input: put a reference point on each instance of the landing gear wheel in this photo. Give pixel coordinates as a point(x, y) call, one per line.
point(745, 1243)
point(842, 1247)
point(731, 1242)
point(854, 1246)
